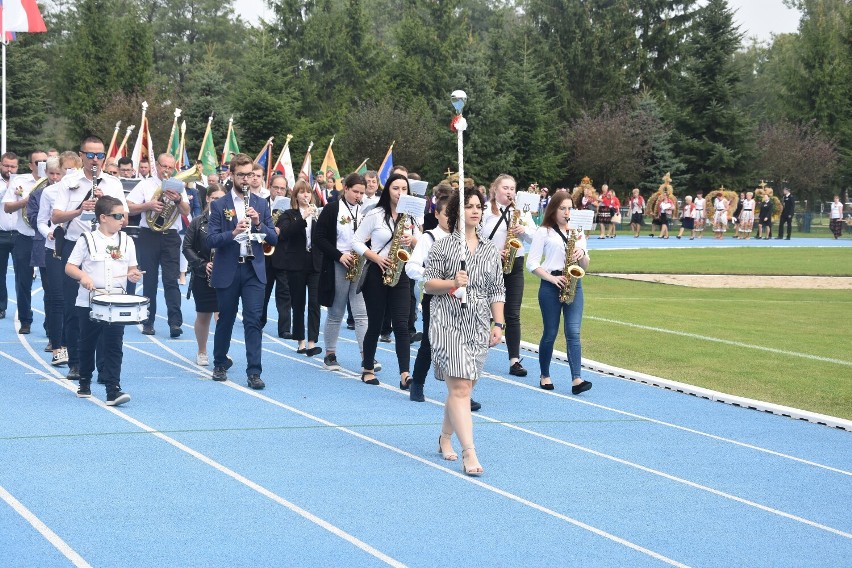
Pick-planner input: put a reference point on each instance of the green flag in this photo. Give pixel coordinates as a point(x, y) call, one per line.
point(231, 147)
point(207, 156)
point(362, 169)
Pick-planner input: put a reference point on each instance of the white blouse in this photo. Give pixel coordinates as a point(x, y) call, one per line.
point(490, 220)
point(548, 244)
point(416, 266)
point(378, 230)
point(836, 210)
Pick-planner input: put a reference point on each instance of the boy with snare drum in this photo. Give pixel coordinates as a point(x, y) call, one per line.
point(104, 260)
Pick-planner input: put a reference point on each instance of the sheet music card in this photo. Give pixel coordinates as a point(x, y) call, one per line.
point(411, 206)
point(525, 199)
point(581, 219)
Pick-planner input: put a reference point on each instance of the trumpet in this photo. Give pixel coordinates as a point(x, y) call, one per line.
point(268, 249)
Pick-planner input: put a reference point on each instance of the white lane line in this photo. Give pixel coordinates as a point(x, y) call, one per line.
point(719, 340)
point(52, 376)
point(576, 400)
point(42, 528)
point(493, 489)
point(609, 457)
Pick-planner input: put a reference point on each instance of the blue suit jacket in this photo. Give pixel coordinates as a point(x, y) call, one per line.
point(220, 237)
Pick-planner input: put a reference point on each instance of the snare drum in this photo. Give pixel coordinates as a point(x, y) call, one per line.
point(122, 309)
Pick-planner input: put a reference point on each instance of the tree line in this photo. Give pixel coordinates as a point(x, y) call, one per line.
point(621, 91)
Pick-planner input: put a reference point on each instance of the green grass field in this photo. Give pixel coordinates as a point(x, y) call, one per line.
point(682, 333)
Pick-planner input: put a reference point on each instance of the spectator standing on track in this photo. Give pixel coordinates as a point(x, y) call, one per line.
point(836, 222)
point(788, 205)
point(687, 219)
point(637, 211)
point(764, 230)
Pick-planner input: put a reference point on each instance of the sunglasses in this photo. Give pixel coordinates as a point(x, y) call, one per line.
point(93, 155)
point(116, 216)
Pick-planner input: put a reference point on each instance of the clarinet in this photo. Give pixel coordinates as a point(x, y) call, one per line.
point(249, 254)
point(95, 181)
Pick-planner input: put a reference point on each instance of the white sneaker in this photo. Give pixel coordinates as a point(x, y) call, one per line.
point(61, 358)
point(202, 360)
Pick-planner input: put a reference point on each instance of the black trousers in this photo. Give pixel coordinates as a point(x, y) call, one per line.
point(107, 339)
point(412, 312)
point(7, 245)
point(278, 279)
point(512, 310)
point(424, 353)
point(789, 222)
point(22, 253)
point(301, 282)
point(71, 325)
point(55, 273)
point(155, 252)
point(381, 300)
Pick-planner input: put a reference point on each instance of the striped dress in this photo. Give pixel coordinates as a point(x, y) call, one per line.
point(460, 337)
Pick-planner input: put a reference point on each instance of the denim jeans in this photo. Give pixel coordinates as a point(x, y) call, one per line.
point(344, 293)
point(551, 311)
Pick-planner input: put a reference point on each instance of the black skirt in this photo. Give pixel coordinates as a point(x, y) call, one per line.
point(204, 296)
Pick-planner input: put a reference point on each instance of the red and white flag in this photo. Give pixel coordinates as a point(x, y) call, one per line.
point(20, 16)
point(284, 165)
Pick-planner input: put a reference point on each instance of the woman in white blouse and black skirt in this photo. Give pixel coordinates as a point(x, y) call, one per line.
point(546, 260)
point(377, 228)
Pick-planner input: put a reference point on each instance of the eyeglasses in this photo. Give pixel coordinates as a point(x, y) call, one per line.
point(93, 155)
point(242, 175)
point(116, 216)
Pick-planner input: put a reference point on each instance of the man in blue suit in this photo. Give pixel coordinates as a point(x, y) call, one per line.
point(239, 271)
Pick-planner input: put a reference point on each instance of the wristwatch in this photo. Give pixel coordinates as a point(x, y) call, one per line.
point(500, 325)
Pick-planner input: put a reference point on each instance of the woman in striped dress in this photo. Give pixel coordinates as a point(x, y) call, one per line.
point(461, 337)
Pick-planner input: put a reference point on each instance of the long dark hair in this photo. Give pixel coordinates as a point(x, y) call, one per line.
point(453, 205)
point(552, 209)
point(384, 198)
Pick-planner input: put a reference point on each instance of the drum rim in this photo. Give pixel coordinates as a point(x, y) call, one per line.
point(101, 300)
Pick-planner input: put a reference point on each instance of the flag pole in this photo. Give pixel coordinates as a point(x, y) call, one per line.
point(126, 137)
point(3, 127)
point(114, 138)
point(172, 134)
point(182, 146)
point(459, 124)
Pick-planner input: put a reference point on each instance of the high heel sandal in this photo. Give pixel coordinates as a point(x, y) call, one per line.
point(373, 381)
point(451, 456)
point(404, 385)
point(473, 472)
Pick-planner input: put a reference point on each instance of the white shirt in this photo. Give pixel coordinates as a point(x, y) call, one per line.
point(368, 203)
point(836, 210)
point(379, 231)
point(72, 191)
point(416, 266)
point(22, 184)
point(309, 223)
point(45, 210)
point(548, 244)
point(99, 264)
point(721, 204)
point(144, 192)
point(8, 222)
point(699, 203)
point(349, 218)
point(490, 219)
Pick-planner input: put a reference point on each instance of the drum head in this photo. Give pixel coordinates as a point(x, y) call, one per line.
point(119, 300)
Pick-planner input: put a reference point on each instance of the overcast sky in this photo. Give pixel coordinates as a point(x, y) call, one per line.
point(759, 18)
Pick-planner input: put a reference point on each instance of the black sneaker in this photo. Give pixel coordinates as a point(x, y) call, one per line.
point(416, 336)
point(385, 338)
point(175, 331)
point(148, 330)
point(474, 406)
point(2, 314)
point(285, 335)
point(220, 374)
point(330, 362)
point(117, 398)
point(73, 374)
point(518, 370)
point(255, 383)
point(85, 390)
point(24, 329)
point(415, 394)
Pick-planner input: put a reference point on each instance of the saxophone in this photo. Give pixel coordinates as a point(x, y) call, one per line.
point(353, 273)
point(268, 249)
point(512, 245)
point(398, 254)
point(573, 271)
